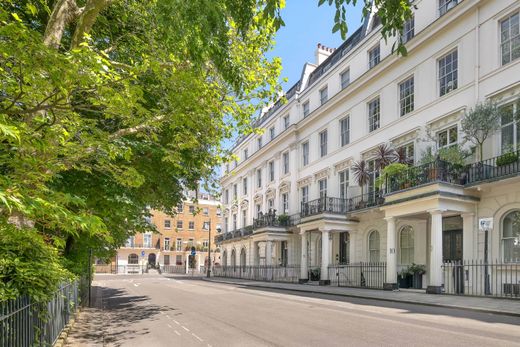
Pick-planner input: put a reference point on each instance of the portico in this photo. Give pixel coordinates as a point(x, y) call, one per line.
point(316, 245)
point(433, 205)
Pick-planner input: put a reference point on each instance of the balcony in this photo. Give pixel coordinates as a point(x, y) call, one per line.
point(272, 220)
point(489, 170)
point(323, 205)
point(235, 234)
point(140, 245)
point(493, 169)
point(434, 172)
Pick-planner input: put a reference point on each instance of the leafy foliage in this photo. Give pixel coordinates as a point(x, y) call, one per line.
point(480, 122)
point(113, 109)
point(392, 13)
point(28, 265)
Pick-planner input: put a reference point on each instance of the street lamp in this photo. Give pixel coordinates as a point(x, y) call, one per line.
point(208, 271)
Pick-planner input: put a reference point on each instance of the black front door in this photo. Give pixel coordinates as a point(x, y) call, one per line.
point(452, 245)
point(452, 253)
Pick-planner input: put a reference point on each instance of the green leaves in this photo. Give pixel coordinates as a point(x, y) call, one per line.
point(94, 137)
point(392, 13)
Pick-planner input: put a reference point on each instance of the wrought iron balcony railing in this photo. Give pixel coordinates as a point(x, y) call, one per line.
point(323, 205)
point(234, 234)
point(503, 166)
point(272, 221)
point(436, 171)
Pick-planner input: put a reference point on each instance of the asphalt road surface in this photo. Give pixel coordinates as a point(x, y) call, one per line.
point(154, 310)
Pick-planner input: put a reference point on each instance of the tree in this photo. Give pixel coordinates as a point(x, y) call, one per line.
point(109, 109)
point(392, 13)
point(480, 122)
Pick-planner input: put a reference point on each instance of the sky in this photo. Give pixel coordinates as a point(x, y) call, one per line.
point(306, 25)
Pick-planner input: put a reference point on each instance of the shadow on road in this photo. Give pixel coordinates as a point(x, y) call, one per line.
point(116, 316)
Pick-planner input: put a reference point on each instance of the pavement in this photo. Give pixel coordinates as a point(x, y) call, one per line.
point(176, 310)
point(495, 305)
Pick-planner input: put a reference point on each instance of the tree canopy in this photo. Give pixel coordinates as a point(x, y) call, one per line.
point(111, 108)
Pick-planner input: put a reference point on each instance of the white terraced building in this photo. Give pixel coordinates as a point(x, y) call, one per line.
point(350, 101)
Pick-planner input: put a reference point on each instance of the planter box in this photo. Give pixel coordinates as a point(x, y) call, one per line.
point(405, 282)
point(417, 281)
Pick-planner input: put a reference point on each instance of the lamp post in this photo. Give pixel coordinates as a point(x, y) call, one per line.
point(208, 270)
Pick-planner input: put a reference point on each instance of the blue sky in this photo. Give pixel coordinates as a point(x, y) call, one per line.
point(306, 25)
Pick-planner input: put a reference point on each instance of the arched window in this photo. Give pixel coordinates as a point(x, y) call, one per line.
point(224, 258)
point(406, 245)
point(511, 237)
point(233, 258)
point(133, 258)
point(243, 258)
point(373, 246)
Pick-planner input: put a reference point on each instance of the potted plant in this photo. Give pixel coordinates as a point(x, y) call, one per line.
point(417, 271)
point(506, 159)
point(283, 219)
point(315, 274)
point(405, 278)
point(385, 155)
point(362, 177)
point(394, 175)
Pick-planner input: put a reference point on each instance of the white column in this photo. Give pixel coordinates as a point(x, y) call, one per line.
point(198, 262)
point(435, 253)
point(468, 230)
point(254, 254)
point(268, 253)
point(304, 271)
point(325, 255)
point(391, 254)
point(187, 263)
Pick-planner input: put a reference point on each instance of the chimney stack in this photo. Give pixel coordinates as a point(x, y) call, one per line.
point(322, 53)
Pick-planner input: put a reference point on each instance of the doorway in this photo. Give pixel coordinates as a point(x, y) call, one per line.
point(452, 253)
point(151, 260)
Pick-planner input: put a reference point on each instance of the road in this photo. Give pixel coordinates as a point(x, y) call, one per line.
point(155, 310)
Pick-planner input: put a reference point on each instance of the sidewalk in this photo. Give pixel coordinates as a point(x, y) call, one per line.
point(89, 329)
point(490, 305)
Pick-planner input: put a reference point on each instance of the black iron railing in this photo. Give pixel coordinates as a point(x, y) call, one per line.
point(289, 273)
point(369, 199)
point(363, 275)
point(505, 165)
point(323, 205)
point(235, 234)
point(478, 278)
point(436, 171)
point(24, 322)
point(272, 221)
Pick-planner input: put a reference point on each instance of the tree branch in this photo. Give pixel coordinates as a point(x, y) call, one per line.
point(136, 129)
point(63, 13)
point(87, 19)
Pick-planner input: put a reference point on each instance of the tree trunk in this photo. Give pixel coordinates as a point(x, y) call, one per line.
point(63, 13)
point(87, 19)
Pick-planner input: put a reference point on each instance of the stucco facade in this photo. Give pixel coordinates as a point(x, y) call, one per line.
point(344, 106)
